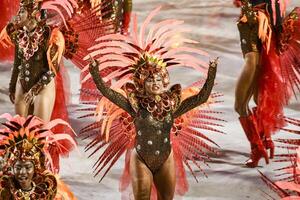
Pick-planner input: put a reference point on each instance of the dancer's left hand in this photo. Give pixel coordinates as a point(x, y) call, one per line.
point(214, 63)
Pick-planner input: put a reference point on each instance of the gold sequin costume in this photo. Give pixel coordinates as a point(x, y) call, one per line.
point(153, 133)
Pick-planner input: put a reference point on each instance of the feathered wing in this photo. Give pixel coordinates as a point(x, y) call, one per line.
point(288, 185)
point(113, 131)
point(190, 143)
point(280, 74)
point(289, 49)
point(81, 32)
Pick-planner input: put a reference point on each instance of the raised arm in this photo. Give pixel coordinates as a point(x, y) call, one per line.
point(112, 95)
point(200, 98)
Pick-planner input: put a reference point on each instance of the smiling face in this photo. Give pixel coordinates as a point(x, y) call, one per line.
point(24, 171)
point(154, 85)
point(24, 18)
point(22, 15)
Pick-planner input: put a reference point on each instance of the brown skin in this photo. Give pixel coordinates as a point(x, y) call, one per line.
point(141, 177)
point(24, 172)
point(247, 84)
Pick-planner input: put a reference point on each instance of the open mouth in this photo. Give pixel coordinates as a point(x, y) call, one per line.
point(155, 87)
point(23, 178)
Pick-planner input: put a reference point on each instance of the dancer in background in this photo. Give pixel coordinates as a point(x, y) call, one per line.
point(139, 114)
point(36, 85)
point(270, 73)
point(42, 33)
point(24, 144)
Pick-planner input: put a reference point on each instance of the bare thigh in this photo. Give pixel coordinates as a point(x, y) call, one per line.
point(21, 107)
point(141, 178)
point(256, 85)
point(165, 179)
point(44, 102)
point(246, 83)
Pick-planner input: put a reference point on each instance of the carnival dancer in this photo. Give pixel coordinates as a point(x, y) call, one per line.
point(27, 172)
point(270, 73)
point(38, 51)
point(139, 115)
point(42, 33)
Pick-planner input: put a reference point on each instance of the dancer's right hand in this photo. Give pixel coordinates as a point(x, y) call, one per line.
point(93, 63)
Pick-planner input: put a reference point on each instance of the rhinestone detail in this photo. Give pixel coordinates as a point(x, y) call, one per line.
point(166, 140)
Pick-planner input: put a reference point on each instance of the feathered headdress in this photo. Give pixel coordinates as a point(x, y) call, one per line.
point(139, 54)
point(29, 139)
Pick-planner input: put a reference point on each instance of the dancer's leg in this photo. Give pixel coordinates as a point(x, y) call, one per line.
point(44, 102)
point(21, 107)
point(165, 179)
point(141, 178)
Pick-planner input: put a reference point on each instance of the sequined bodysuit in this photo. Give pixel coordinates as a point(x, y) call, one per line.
point(30, 64)
point(153, 135)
